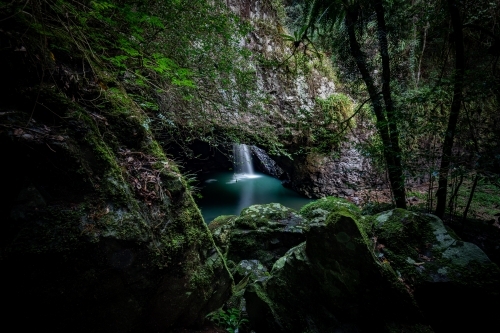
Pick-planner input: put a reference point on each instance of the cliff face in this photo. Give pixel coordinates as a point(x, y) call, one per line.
point(324, 159)
point(100, 232)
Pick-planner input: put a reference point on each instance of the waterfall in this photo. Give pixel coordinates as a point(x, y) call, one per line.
point(242, 160)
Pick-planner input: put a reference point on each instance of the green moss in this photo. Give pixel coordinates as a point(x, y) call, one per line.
point(343, 237)
point(318, 210)
point(220, 229)
point(399, 228)
point(122, 224)
point(168, 234)
point(421, 250)
point(243, 242)
point(337, 108)
point(257, 216)
point(220, 221)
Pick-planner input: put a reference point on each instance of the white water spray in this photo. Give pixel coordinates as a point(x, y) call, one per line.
point(243, 166)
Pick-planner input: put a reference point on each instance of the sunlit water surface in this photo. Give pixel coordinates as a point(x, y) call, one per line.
point(226, 193)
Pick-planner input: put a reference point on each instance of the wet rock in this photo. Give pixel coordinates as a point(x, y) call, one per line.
point(266, 164)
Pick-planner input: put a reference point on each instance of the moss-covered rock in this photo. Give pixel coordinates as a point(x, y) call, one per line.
point(331, 283)
point(101, 233)
point(401, 263)
point(253, 269)
point(265, 233)
point(221, 228)
point(441, 270)
point(318, 210)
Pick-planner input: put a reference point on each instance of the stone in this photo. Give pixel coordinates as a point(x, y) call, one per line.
point(331, 283)
point(406, 265)
point(440, 269)
point(265, 233)
point(90, 246)
point(266, 164)
point(253, 269)
point(221, 228)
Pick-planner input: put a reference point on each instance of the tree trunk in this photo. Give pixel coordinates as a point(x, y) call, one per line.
point(398, 185)
point(383, 125)
point(455, 108)
point(471, 195)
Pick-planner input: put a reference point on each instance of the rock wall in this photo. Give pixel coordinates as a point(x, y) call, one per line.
point(317, 176)
point(291, 96)
point(100, 232)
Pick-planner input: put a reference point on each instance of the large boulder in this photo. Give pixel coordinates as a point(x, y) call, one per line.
point(442, 271)
point(332, 283)
point(395, 271)
point(260, 232)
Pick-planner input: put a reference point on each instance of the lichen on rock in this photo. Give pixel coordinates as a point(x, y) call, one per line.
point(403, 263)
point(261, 232)
point(440, 270)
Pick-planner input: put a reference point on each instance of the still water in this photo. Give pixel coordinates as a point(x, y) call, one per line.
point(227, 193)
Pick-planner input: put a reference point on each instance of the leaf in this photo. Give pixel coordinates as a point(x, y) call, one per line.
point(288, 37)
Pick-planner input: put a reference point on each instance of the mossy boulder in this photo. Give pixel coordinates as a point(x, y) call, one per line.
point(318, 210)
point(253, 270)
point(408, 266)
point(273, 216)
point(220, 229)
point(330, 283)
point(442, 270)
point(265, 233)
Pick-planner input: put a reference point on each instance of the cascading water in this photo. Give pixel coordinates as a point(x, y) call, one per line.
point(227, 193)
point(243, 166)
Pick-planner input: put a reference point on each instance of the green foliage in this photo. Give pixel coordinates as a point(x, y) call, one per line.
point(298, 35)
point(336, 108)
point(183, 61)
point(325, 129)
point(322, 207)
point(231, 320)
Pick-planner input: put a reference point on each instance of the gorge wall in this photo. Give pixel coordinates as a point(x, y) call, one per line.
point(294, 85)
